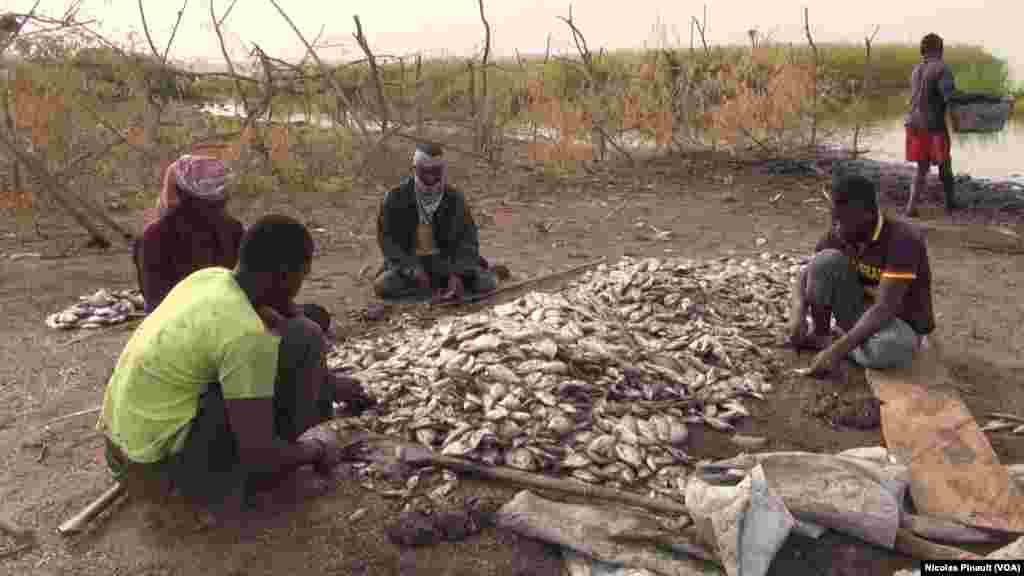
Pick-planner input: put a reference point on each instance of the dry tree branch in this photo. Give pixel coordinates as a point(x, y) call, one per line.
point(56, 185)
point(817, 64)
point(378, 88)
point(865, 89)
point(20, 24)
point(593, 77)
point(145, 29)
point(578, 39)
point(484, 115)
point(224, 51)
point(701, 29)
point(174, 32)
point(56, 190)
point(339, 93)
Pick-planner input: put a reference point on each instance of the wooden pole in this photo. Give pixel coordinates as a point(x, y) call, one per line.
point(79, 521)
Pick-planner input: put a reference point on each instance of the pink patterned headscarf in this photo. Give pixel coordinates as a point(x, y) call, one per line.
point(201, 177)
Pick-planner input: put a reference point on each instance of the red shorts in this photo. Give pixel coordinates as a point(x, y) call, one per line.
point(925, 146)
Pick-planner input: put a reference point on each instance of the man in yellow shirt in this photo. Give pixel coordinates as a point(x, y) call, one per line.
point(215, 387)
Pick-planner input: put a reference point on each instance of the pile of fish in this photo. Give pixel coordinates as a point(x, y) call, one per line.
point(104, 308)
point(599, 382)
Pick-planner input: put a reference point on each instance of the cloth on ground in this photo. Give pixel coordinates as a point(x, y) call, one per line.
point(609, 535)
point(855, 497)
point(745, 524)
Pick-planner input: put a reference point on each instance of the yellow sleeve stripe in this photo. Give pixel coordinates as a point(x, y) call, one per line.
point(899, 275)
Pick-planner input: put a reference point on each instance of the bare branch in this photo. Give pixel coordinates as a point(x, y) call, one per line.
point(174, 32)
point(382, 104)
point(145, 29)
point(487, 36)
point(817, 63)
point(703, 38)
point(21, 20)
point(484, 119)
point(228, 11)
point(54, 188)
point(227, 57)
point(339, 93)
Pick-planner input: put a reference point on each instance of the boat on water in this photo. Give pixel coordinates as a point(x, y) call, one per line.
point(979, 112)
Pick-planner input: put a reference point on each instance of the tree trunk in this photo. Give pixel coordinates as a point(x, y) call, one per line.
point(419, 95)
point(54, 188)
point(472, 89)
point(16, 184)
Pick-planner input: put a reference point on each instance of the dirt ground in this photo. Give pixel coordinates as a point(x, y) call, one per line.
point(532, 222)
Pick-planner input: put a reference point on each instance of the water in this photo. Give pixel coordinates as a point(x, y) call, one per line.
point(998, 156)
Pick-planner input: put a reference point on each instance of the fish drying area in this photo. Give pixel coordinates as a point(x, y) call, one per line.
point(594, 390)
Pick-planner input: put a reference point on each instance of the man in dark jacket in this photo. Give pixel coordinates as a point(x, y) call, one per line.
point(427, 235)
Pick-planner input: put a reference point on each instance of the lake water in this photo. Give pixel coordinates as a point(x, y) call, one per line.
point(998, 156)
point(995, 156)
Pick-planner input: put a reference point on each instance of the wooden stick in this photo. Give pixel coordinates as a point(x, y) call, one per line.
point(79, 521)
point(921, 549)
point(1005, 416)
point(419, 455)
point(72, 415)
point(522, 283)
point(558, 485)
point(8, 526)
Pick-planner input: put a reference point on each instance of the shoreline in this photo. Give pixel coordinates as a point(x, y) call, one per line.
point(892, 178)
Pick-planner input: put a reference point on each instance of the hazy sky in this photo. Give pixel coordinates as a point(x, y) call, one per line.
point(453, 26)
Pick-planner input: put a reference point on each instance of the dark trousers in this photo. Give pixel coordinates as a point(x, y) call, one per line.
point(207, 469)
point(393, 282)
point(837, 286)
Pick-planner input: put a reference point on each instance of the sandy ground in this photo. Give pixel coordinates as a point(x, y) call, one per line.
point(533, 223)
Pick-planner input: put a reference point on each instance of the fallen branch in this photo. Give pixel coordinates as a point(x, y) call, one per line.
point(79, 521)
point(55, 189)
point(920, 549)
point(8, 527)
point(978, 247)
point(418, 455)
point(523, 283)
point(72, 415)
point(1005, 416)
point(14, 552)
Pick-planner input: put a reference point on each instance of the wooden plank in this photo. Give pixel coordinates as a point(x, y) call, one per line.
point(954, 472)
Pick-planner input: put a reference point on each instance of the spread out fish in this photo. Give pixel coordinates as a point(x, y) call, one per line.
point(599, 382)
point(102, 308)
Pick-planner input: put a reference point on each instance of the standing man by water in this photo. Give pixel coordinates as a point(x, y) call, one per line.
point(932, 86)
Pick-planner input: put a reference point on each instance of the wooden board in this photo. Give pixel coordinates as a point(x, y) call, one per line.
point(954, 473)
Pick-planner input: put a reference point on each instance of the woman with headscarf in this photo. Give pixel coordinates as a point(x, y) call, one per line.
point(428, 237)
point(193, 230)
